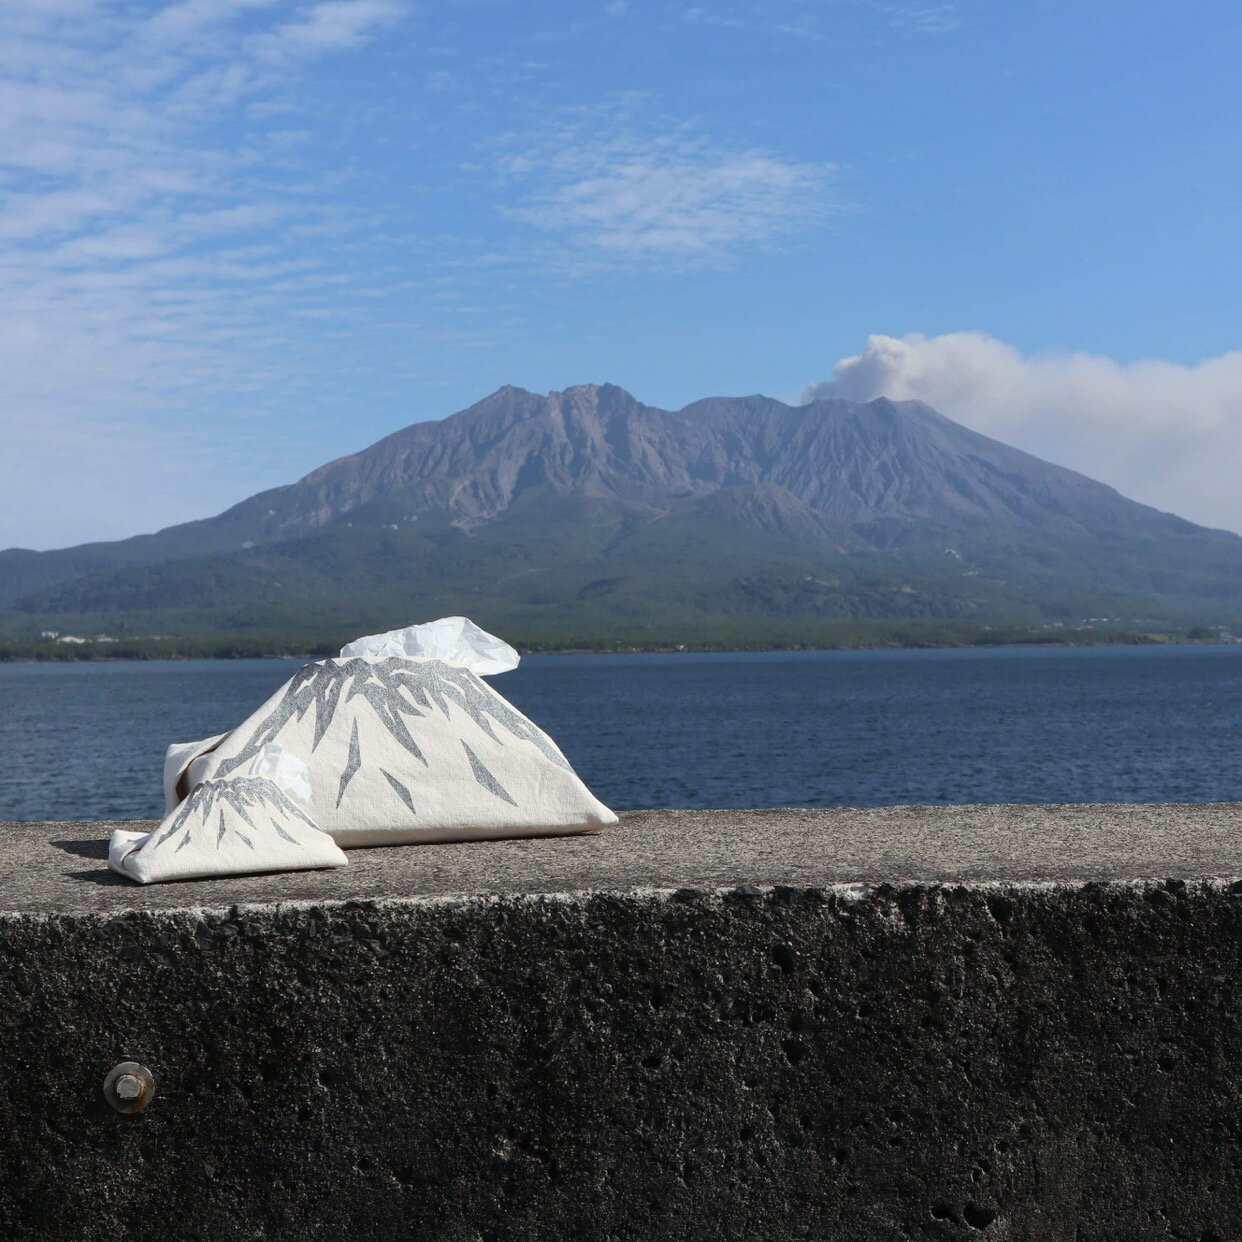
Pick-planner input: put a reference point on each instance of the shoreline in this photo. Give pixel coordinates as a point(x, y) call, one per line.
point(122, 651)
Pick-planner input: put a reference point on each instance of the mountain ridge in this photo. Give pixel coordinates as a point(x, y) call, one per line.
point(592, 480)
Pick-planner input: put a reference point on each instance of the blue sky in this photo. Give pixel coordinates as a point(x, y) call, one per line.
point(241, 237)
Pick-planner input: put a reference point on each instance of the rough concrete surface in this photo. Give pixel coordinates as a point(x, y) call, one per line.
point(913, 1023)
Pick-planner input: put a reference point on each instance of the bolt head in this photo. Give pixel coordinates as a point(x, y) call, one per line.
point(128, 1087)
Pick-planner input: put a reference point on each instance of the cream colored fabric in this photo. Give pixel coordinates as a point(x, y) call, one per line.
point(408, 749)
point(239, 825)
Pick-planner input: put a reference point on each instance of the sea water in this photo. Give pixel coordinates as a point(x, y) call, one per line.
point(823, 728)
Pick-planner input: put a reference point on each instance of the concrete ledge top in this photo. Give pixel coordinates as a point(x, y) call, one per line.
point(61, 868)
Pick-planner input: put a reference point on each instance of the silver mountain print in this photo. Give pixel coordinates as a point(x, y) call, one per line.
point(255, 800)
point(398, 691)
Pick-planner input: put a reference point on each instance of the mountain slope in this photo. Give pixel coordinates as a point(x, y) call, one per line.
point(586, 505)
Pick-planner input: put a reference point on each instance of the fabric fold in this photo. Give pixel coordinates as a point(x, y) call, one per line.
point(179, 768)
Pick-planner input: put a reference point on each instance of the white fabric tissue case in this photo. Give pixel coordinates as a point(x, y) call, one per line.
point(410, 748)
point(399, 741)
point(246, 823)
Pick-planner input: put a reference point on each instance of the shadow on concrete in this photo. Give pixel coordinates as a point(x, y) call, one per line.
point(97, 850)
point(103, 876)
point(84, 849)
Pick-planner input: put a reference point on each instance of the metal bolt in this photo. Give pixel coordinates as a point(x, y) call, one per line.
point(129, 1087)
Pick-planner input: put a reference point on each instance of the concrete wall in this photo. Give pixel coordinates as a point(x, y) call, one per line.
point(965, 1023)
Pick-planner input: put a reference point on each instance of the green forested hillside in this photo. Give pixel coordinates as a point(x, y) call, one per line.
point(590, 570)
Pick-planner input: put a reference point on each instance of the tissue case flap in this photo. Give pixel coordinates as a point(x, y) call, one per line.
point(181, 770)
point(414, 749)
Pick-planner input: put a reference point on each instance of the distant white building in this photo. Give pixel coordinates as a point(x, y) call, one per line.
point(50, 634)
point(71, 638)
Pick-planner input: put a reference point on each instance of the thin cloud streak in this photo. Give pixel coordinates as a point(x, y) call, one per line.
point(634, 197)
point(811, 22)
point(332, 26)
point(923, 18)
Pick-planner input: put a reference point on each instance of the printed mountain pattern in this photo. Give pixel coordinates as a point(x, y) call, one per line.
point(408, 749)
point(238, 826)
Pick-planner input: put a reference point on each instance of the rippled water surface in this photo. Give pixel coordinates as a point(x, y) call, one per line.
point(780, 729)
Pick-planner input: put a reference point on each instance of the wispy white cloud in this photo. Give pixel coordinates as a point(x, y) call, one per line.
point(175, 22)
point(814, 21)
point(329, 26)
point(671, 195)
point(705, 15)
point(923, 17)
point(149, 270)
point(1160, 432)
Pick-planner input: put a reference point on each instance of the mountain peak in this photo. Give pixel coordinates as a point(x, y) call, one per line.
point(898, 463)
point(594, 393)
point(589, 478)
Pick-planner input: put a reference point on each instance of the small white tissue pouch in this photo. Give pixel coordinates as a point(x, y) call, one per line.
point(245, 823)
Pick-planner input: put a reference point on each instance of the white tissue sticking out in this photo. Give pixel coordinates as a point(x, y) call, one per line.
point(455, 640)
point(283, 768)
